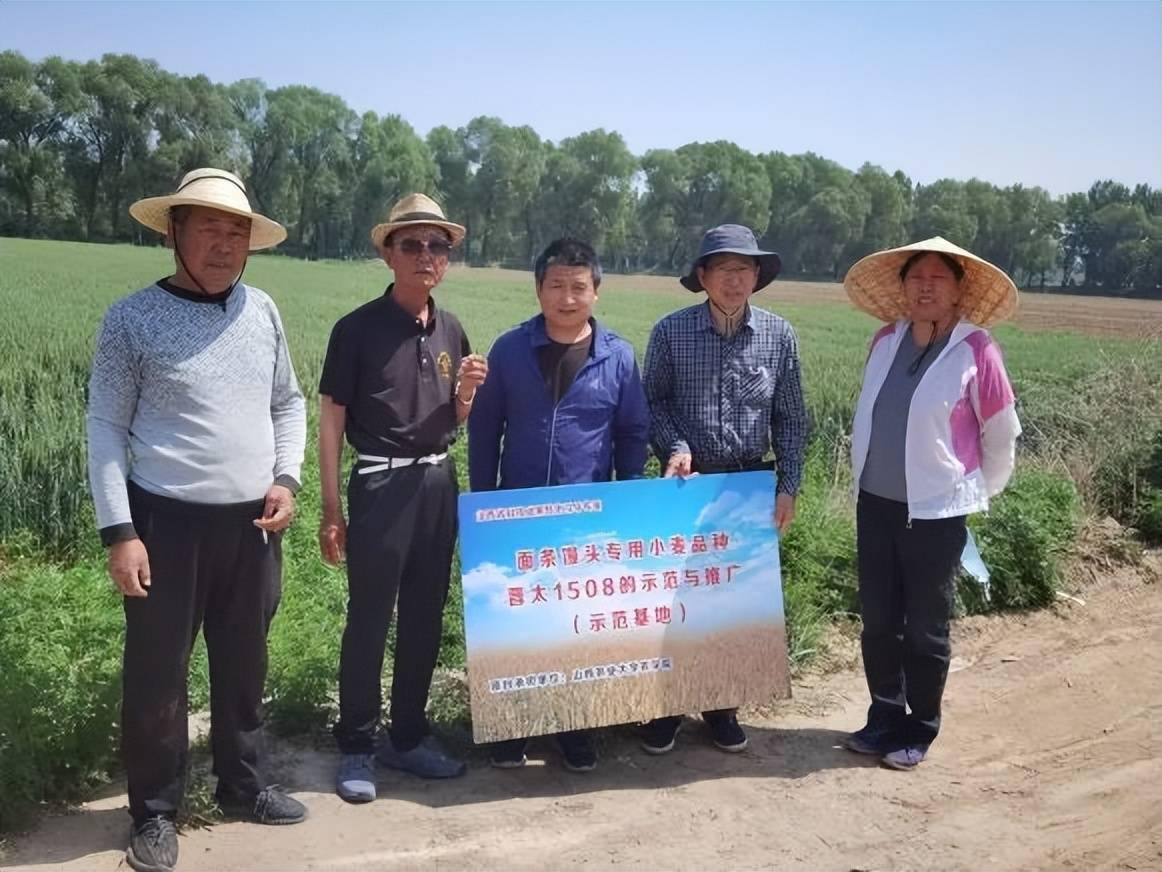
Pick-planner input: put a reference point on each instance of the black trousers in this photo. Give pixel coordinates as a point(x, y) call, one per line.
point(400, 539)
point(907, 578)
point(211, 569)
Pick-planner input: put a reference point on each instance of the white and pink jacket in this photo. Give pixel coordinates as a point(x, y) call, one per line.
point(962, 426)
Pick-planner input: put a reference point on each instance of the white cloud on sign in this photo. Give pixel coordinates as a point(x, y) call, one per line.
point(731, 511)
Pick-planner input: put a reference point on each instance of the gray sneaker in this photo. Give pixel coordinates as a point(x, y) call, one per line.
point(427, 759)
point(356, 779)
point(905, 759)
point(153, 845)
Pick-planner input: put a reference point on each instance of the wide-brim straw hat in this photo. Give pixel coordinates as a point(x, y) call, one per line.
point(732, 239)
point(214, 189)
point(987, 294)
point(411, 210)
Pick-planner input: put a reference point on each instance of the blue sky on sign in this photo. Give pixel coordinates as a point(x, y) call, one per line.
point(1056, 94)
point(739, 505)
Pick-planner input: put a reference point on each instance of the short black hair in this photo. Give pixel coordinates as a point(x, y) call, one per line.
point(949, 261)
point(568, 252)
point(178, 214)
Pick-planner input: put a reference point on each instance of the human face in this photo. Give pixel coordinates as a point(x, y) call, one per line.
point(213, 246)
point(567, 295)
point(931, 290)
point(422, 269)
point(729, 280)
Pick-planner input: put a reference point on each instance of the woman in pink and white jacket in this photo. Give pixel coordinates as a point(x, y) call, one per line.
point(933, 440)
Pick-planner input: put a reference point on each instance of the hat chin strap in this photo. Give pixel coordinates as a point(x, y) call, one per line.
point(178, 251)
point(727, 322)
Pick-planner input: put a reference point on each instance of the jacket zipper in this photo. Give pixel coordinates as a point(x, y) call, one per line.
point(553, 425)
point(552, 438)
point(924, 375)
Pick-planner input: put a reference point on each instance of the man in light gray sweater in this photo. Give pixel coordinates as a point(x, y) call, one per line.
point(196, 431)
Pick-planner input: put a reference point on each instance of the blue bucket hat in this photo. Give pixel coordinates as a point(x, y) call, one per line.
point(732, 239)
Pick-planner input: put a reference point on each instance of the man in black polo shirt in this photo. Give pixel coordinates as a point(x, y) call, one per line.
point(399, 378)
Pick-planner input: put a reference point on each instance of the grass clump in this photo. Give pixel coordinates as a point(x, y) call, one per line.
point(1024, 538)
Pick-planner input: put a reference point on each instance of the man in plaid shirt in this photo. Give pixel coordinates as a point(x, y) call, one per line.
point(723, 384)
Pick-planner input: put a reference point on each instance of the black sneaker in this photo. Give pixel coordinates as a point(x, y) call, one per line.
point(509, 754)
point(578, 750)
point(659, 735)
point(269, 806)
point(724, 729)
point(872, 740)
point(153, 845)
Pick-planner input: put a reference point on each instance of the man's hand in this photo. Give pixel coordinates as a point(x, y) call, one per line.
point(279, 510)
point(473, 372)
point(680, 465)
point(784, 512)
point(129, 567)
point(333, 537)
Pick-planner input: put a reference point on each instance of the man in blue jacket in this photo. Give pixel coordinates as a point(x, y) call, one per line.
point(563, 404)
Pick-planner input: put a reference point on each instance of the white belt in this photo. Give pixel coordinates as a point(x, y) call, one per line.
point(382, 463)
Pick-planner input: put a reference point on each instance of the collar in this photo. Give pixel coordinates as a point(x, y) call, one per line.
point(963, 329)
point(706, 317)
point(539, 336)
point(398, 312)
point(194, 296)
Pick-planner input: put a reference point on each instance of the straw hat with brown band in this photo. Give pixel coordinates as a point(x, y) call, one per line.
point(214, 189)
point(411, 210)
point(987, 294)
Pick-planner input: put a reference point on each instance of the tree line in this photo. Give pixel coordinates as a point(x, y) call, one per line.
point(80, 141)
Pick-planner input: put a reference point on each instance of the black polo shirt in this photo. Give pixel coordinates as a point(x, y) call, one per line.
point(396, 377)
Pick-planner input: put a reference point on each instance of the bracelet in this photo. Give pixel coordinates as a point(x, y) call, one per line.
point(467, 402)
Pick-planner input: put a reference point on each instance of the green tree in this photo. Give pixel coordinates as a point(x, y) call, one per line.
point(941, 209)
point(700, 186)
point(590, 178)
point(107, 134)
point(314, 132)
point(506, 165)
point(888, 196)
point(389, 161)
point(664, 210)
point(36, 103)
point(829, 224)
point(262, 156)
point(453, 174)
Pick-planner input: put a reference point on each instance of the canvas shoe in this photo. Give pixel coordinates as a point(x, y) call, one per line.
point(659, 735)
point(578, 751)
point(508, 755)
point(724, 730)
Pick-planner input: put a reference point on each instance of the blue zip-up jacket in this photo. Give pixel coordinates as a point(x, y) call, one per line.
point(600, 426)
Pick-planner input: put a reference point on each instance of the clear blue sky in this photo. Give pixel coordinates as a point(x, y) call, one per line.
point(1051, 94)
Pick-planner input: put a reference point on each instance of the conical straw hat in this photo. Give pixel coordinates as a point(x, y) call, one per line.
point(214, 189)
point(988, 295)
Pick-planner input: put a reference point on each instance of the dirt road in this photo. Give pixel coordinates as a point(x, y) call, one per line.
point(1051, 758)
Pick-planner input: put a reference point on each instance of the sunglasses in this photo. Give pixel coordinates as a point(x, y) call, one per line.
point(435, 247)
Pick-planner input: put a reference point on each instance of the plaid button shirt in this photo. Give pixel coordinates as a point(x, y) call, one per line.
point(727, 401)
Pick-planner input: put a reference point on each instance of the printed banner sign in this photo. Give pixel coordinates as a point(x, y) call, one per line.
point(598, 604)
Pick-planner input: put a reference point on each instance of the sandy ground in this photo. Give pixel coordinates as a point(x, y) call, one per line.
point(1051, 758)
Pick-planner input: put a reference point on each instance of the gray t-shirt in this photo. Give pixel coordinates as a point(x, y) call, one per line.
point(883, 473)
